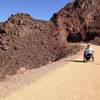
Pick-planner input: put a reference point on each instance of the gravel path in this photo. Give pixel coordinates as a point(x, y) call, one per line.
point(73, 81)
point(24, 78)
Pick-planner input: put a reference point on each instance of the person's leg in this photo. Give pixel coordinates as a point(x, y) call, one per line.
point(92, 57)
point(84, 58)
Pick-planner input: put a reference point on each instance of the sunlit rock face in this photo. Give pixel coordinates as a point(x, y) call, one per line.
point(79, 20)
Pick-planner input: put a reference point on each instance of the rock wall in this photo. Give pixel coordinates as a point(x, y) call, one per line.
point(26, 42)
point(79, 20)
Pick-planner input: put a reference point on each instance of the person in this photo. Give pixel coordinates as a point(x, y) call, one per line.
point(89, 51)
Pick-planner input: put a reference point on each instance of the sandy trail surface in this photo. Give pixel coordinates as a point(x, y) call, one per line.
point(74, 81)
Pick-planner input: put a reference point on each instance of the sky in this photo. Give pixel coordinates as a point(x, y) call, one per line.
point(39, 9)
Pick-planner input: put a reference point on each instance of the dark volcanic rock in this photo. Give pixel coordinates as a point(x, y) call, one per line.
point(29, 43)
point(79, 20)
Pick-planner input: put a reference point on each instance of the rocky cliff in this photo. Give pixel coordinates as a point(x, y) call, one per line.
point(28, 43)
point(79, 20)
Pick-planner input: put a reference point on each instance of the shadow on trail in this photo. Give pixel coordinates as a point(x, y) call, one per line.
point(80, 61)
point(98, 64)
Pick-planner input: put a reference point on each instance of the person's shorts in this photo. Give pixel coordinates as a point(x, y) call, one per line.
point(90, 54)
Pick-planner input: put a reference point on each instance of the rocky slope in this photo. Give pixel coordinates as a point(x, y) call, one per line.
point(25, 42)
point(29, 43)
point(79, 20)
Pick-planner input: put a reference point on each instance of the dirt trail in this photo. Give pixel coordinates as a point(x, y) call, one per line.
point(73, 81)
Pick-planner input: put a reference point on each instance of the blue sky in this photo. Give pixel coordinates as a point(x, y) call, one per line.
point(40, 9)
